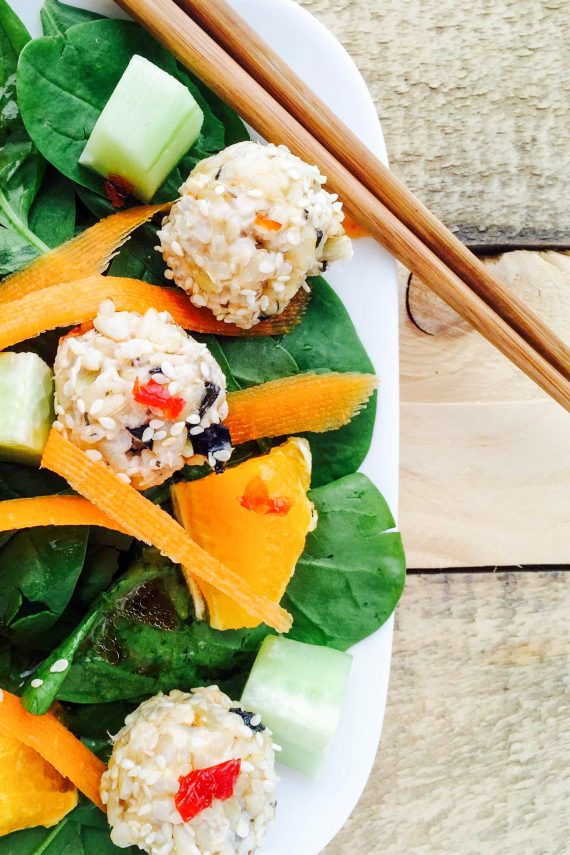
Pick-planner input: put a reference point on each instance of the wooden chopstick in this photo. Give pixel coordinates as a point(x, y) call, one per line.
point(199, 52)
point(262, 63)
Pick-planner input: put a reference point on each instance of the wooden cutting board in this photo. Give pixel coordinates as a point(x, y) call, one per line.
point(485, 474)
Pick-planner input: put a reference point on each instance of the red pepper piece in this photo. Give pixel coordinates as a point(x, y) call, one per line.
point(117, 189)
point(256, 498)
point(153, 394)
point(199, 788)
point(82, 328)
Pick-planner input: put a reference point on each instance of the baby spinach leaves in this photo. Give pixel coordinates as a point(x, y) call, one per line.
point(39, 569)
point(65, 80)
point(326, 340)
point(84, 831)
point(21, 166)
point(352, 571)
point(58, 17)
point(140, 638)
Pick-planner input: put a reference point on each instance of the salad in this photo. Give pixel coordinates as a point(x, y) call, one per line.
point(187, 548)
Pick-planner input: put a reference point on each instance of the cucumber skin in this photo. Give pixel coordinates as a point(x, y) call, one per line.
point(298, 690)
point(26, 407)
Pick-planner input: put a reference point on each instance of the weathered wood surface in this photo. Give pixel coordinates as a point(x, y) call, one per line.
point(474, 101)
point(474, 753)
point(485, 455)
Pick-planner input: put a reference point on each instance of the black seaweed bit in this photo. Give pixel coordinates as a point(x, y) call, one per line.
point(137, 433)
point(210, 397)
point(263, 317)
point(306, 213)
point(218, 173)
point(320, 235)
point(324, 266)
point(152, 371)
point(247, 717)
point(213, 438)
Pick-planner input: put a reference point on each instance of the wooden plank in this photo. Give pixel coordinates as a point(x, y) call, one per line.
point(474, 753)
point(485, 455)
point(473, 108)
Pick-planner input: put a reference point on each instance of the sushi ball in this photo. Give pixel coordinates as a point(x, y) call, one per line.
point(251, 224)
point(137, 392)
point(163, 741)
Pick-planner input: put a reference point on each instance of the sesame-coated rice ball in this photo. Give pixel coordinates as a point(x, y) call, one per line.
point(165, 739)
point(139, 393)
point(252, 223)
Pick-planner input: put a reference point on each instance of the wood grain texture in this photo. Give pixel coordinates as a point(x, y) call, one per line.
point(256, 56)
point(473, 758)
point(200, 53)
point(485, 476)
point(474, 102)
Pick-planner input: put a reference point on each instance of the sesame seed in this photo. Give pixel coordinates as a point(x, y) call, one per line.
point(58, 425)
point(242, 828)
point(123, 477)
point(156, 424)
point(59, 666)
point(160, 378)
point(255, 720)
point(159, 435)
point(276, 747)
point(177, 428)
point(36, 683)
point(193, 419)
point(148, 434)
point(167, 369)
point(94, 455)
point(96, 407)
point(107, 422)
point(80, 404)
point(176, 248)
point(194, 431)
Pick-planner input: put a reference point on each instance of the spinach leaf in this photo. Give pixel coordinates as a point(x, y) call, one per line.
point(64, 82)
point(52, 215)
point(21, 166)
point(144, 640)
point(327, 340)
point(352, 571)
point(84, 831)
point(58, 17)
point(255, 361)
point(39, 569)
point(22, 482)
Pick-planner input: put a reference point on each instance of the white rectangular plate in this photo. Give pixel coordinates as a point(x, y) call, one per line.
point(310, 812)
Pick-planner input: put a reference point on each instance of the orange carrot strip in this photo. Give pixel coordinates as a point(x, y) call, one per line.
point(269, 225)
point(85, 255)
point(55, 743)
point(149, 523)
point(78, 302)
point(352, 228)
point(52, 510)
point(305, 402)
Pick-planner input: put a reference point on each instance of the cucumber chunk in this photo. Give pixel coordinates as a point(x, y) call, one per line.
point(26, 407)
point(147, 125)
point(298, 690)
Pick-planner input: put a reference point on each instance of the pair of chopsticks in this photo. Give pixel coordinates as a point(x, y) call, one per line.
point(210, 39)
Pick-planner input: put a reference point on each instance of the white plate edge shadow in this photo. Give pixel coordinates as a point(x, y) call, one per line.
point(310, 813)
